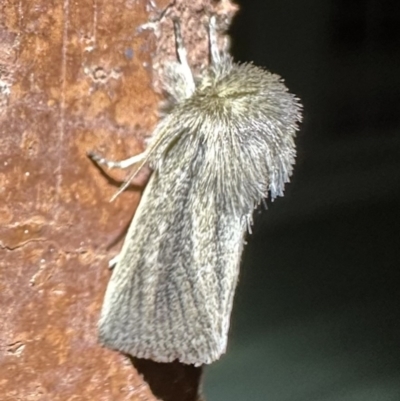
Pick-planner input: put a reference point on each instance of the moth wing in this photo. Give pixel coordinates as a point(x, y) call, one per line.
point(171, 293)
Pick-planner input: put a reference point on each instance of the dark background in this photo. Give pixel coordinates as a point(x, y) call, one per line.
point(317, 310)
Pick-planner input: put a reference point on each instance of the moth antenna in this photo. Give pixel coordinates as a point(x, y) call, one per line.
point(182, 57)
point(212, 34)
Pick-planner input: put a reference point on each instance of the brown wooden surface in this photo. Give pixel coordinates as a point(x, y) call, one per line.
point(75, 76)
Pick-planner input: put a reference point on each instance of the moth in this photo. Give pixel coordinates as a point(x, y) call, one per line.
point(226, 143)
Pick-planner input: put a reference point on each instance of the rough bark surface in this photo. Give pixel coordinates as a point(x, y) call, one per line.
point(76, 76)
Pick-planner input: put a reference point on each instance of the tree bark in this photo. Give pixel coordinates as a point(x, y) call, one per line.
point(76, 76)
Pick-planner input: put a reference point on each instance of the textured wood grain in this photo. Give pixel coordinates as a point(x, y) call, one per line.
point(74, 76)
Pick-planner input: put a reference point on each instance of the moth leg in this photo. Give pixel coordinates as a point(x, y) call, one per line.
point(117, 164)
point(112, 262)
point(212, 34)
point(182, 57)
